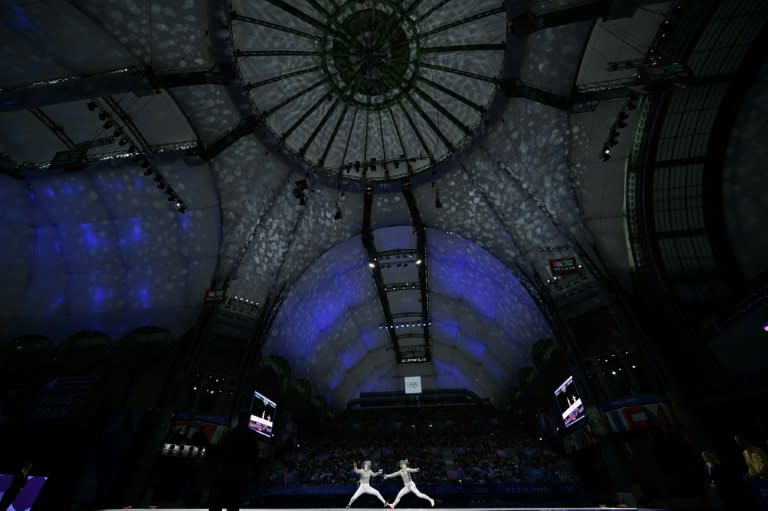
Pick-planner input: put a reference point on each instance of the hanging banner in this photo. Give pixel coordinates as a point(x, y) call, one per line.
point(639, 417)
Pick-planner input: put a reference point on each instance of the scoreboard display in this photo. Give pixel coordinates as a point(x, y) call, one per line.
point(564, 266)
point(215, 296)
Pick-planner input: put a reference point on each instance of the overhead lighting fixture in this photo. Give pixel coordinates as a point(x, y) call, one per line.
point(418, 261)
point(92, 105)
point(371, 264)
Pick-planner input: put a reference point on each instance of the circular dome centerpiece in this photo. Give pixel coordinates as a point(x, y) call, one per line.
point(370, 89)
point(371, 54)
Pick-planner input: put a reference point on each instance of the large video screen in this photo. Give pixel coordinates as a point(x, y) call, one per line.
point(571, 407)
point(263, 412)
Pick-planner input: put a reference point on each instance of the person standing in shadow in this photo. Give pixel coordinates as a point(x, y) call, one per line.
point(233, 461)
point(725, 490)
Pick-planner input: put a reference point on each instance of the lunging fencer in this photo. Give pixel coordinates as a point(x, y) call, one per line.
point(365, 485)
point(408, 484)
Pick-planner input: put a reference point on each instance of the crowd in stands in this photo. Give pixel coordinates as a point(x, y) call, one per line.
point(460, 446)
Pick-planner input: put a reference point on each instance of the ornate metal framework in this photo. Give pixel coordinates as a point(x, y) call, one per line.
point(370, 90)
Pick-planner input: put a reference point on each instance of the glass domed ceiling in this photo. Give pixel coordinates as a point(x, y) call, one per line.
point(370, 89)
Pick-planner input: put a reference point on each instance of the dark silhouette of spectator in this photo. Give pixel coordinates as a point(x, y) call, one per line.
point(755, 458)
point(236, 455)
point(19, 480)
point(725, 490)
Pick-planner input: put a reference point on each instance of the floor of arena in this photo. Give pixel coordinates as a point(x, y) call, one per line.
point(417, 509)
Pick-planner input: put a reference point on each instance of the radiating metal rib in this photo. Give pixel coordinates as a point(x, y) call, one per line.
point(274, 26)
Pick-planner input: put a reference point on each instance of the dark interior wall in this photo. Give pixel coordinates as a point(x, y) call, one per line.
point(745, 179)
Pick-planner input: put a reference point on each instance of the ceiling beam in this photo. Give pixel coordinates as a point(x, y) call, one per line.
point(140, 81)
point(422, 268)
point(370, 248)
point(527, 22)
point(53, 126)
point(516, 88)
point(468, 19)
point(125, 119)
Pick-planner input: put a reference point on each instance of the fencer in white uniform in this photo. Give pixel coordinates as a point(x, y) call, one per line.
point(408, 484)
point(365, 483)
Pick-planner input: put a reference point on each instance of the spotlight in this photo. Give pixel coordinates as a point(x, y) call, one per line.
point(158, 178)
point(148, 172)
point(144, 164)
point(123, 141)
point(108, 125)
point(623, 116)
point(438, 204)
point(103, 116)
point(418, 261)
point(621, 124)
point(161, 186)
point(183, 209)
point(337, 215)
point(91, 105)
point(117, 132)
point(371, 264)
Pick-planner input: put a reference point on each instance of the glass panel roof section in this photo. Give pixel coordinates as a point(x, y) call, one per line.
point(374, 89)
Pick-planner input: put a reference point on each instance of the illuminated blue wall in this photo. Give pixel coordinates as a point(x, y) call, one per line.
point(103, 249)
point(484, 323)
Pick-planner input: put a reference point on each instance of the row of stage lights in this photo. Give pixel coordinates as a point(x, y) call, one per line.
point(372, 264)
point(374, 163)
point(406, 325)
point(401, 286)
point(612, 359)
point(630, 103)
point(655, 60)
point(138, 157)
point(245, 301)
